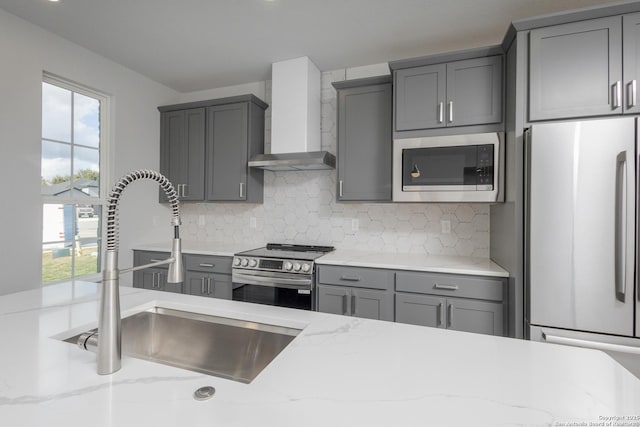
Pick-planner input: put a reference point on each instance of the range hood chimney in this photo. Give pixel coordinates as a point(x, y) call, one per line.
point(295, 119)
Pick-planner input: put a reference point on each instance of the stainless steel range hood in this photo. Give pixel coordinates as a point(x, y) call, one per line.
point(295, 120)
point(314, 160)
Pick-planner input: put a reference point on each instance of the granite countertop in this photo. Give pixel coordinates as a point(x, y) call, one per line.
point(415, 262)
point(338, 371)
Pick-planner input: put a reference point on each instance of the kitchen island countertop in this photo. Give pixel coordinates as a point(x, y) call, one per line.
point(338, 371)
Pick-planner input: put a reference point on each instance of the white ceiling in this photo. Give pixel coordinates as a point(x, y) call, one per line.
point(192, 45)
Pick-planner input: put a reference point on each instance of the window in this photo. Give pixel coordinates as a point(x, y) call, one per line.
point(72, 178)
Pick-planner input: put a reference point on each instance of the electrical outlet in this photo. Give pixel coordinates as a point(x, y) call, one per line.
point(252, 222)
point(355, 224)
point(201, 220)
point(445, 225)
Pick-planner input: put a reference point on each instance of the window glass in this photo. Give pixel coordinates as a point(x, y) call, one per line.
point(71, 179)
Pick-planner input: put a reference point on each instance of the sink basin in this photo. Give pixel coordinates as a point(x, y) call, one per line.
point(220, 346)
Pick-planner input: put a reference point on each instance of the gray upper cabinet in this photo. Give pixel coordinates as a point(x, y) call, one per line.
point(576, 69)
point(182, 142)
point(631, 62)
point(420, 97)
point(474, 91)
point(457, 93)
point(236, 132)
point(364, 139)
point(207, 145)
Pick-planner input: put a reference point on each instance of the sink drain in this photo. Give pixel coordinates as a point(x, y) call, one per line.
point(204, 393)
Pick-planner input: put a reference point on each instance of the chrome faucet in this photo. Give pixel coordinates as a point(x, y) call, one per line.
point(109, 340)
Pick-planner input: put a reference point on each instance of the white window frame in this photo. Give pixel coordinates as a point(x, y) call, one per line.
point(105, 164)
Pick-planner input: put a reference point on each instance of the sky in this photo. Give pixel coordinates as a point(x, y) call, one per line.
point(59, 126)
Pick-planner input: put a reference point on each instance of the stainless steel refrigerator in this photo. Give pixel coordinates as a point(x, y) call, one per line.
point(581, 236)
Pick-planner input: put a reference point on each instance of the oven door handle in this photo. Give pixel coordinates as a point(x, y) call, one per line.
point(274, 282)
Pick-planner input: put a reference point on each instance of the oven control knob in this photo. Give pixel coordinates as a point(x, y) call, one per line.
point(236, 261)
point(296, 266)
point(306, 267)
point(244, 262)
point(287, 266)
point(252, 262)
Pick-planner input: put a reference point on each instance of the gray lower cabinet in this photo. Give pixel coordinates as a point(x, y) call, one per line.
point(364, 139)
point(462, 303)
point(483, 317)
point(208, 275)
point(154, 278)
point(357, 302)
point(205, 147)
point(208, 285)
point(457, 93)
point(354, 291)
point(205, 275)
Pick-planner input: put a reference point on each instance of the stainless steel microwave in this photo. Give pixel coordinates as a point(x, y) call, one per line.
point(451, 168)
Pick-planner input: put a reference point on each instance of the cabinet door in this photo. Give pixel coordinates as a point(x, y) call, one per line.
point(576, 69)
point(220, 286)
point(333, 299)
point(182, 142)
point(474, 91)
point(419, 97)
point(481, 317)
point(420, 310)
point(631, 55)
point(371, 304)
point(195, 283)
point(364, 143)
point(227, 152)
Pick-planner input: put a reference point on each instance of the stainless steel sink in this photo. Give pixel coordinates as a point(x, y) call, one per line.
point(224, 347)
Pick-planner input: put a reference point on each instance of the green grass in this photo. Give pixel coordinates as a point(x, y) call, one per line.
point(54, 269)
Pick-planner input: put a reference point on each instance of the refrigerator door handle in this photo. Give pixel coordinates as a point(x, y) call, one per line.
point(621, 226)
point(590, 344)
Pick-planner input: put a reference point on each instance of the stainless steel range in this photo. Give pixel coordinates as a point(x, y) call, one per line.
point(278, 274)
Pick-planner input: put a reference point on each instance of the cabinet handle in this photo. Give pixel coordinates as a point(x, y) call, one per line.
point(632, 93)
point(242, 190)
point(184, 190)
point(440, 314)
point(617, 94)
point(156, 260)
point(440, 112)
point(446, 287)
point(450, 314)
point(202, 286)
point(350, 278)
point(153, 280)
point(208, 285)
point(353, 304)
point(344, 304)
point(340, 188)
point(204, 264)
point(450, 111)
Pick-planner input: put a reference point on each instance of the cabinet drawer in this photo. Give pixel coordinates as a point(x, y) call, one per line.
point(356, 277)
point(451, 285)
point(147, 257)
point(208, 263)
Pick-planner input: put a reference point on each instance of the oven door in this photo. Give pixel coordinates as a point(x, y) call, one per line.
point(271, 288)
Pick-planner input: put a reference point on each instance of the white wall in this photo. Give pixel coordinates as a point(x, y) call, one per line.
point(27, 50)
